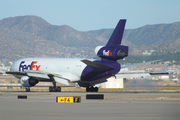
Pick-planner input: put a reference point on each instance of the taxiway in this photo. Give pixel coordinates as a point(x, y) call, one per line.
point(125, 106)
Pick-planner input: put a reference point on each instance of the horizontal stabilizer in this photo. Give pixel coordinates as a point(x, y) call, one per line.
point(97, 66)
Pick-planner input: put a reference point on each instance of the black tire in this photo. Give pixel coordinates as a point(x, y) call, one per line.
point(87, 89)
point(54, 89)
point(27, 89)
point(96, 89)
point(58, 89)
point(50, 89)
point(92, 89)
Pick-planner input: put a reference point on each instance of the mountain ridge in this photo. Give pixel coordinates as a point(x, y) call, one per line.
point(32, 36)
point(158, 33)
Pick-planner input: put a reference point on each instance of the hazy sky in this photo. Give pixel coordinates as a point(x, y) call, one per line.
point(84, 15)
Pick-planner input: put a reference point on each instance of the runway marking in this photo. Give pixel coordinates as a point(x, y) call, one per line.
point(51, 113)
point(143, 114)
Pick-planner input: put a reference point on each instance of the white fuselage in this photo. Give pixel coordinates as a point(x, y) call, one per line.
point(69, 67)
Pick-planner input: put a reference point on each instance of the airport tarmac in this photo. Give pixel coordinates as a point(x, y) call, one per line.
point(115, 106)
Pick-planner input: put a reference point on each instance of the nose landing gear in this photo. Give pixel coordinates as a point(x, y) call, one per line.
point(28, 89)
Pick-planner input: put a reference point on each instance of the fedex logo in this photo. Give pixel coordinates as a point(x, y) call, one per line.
point(108, 53)
point(32, 66)
point(23, 81)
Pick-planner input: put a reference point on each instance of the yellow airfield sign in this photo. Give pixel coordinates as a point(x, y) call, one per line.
point(68, 99)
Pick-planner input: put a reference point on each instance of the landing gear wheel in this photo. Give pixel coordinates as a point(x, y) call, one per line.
point(27, 89)
point(87, 89)
point(91, 89)
point(50, 89)
point(58, 89)
point(54, 89)
point(96, 89)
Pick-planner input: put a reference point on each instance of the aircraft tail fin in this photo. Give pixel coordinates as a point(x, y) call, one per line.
point(117, 35)
point(113, 49)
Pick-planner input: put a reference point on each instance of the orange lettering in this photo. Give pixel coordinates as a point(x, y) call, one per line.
point(33, 66)
point(109, 53)
point(37, 67)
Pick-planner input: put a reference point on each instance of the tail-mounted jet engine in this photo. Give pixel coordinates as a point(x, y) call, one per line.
point(112, 53)
point(28, 81)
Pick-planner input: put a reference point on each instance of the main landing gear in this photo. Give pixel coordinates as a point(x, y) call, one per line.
point(91, 89)
point(54, 89)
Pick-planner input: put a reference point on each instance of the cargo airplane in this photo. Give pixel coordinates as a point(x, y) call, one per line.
point(86, 72)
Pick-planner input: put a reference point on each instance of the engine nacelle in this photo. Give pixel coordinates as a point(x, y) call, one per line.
point(112, 53)
point(28, 81)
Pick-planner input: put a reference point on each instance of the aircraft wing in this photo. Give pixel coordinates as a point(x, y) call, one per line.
point(126, 66)
point(158, 73)
point(128, 74)
point(61, 77)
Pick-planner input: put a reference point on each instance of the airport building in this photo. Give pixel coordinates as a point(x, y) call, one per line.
point(113, 83)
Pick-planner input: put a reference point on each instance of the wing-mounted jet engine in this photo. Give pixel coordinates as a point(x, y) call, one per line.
point(28, 82)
